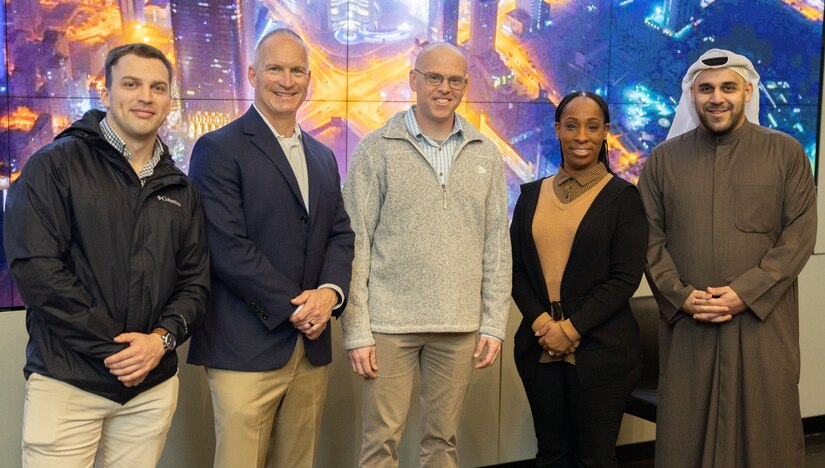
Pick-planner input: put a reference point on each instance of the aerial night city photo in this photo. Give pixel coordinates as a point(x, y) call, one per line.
point(523, 56)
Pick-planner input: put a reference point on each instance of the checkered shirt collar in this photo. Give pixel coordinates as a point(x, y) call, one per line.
point(113, 139)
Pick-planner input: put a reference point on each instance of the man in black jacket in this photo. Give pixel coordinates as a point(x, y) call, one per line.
point(105, 240)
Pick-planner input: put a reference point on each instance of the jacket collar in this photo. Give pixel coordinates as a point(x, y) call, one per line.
point(729, 138)
point(88, 128)
point(262, 137)
point(396, 128)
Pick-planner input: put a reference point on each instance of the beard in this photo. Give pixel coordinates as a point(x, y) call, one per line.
point(735, 117)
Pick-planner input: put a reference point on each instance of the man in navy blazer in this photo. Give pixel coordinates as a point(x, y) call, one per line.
point(282, 253)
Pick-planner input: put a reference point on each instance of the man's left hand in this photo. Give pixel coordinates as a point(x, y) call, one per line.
point(133, 364)
point(493, 348)
point(726, 297)
point(312, 319)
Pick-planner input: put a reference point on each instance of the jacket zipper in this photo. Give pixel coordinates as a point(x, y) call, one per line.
point(455, 157)
point(444, 191)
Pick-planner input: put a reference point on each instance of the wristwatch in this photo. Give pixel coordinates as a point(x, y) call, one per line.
point(167, 338)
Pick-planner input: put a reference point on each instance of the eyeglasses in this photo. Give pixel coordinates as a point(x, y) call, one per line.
point(434, 79)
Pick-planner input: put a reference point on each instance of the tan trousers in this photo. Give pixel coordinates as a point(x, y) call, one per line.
point(445, 361)
point(64, 426)
point(269, 418)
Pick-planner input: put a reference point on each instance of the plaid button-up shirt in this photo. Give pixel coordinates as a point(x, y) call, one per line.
point(113, 139)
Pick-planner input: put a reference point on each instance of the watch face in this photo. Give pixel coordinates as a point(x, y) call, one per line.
point(169, 341)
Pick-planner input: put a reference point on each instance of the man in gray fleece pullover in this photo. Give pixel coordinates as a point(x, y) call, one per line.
point(427, 199)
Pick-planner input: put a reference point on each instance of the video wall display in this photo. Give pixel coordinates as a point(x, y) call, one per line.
point(523, 56)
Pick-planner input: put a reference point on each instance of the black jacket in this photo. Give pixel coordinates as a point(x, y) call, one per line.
point(602, 273)
point(94, 254)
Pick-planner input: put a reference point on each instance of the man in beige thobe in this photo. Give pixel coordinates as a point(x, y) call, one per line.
point(732, 214)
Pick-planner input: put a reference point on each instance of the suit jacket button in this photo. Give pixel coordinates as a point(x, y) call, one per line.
point(304, 219)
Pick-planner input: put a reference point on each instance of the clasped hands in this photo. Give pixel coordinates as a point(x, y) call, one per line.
point(553, 339)
point(313, 312)
point(133, 364)
point(714, 305)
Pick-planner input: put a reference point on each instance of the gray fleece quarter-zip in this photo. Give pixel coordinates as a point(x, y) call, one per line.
point(429, 257)
point(417, 146)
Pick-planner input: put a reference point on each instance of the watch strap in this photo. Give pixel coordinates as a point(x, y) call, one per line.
point(166, 337)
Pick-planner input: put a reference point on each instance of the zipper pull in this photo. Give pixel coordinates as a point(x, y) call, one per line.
point(444, 191)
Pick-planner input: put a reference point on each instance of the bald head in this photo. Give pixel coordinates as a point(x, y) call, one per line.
point(436, 51)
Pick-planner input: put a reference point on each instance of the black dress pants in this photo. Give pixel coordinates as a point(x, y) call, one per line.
point(576, 426)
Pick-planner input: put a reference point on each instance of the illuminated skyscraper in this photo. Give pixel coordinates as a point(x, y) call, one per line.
point(678, 13)
point(539, 16)
point(483, 33)
point(490, 74)
point(3, 83)
point(214, 42)
point(353, 16)
point(443, 21)
point(131, 11)
point(539, 11)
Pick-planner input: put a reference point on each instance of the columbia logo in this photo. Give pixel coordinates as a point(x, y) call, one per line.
point(168, 200)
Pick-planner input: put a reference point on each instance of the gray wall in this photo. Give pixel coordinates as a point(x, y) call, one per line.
point(496, 426)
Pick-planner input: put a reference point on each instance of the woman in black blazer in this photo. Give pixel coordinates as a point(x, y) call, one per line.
point(579, 241)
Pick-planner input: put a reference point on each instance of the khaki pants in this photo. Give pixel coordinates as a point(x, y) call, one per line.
point(445, 361)
point(269, 418)
point(64, 426)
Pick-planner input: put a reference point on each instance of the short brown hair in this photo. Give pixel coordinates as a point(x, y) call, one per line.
point(141, 50)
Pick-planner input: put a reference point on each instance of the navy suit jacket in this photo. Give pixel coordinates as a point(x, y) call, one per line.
point(266, 248)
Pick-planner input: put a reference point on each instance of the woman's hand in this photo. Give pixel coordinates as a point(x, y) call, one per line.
point(553, 339)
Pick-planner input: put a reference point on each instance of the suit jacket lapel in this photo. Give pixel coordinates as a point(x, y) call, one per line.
point(263, 138)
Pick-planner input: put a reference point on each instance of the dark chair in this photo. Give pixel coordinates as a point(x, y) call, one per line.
point(643, 399)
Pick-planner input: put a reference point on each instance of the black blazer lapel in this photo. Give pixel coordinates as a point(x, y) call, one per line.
point(261, 136)
point(610, 191)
